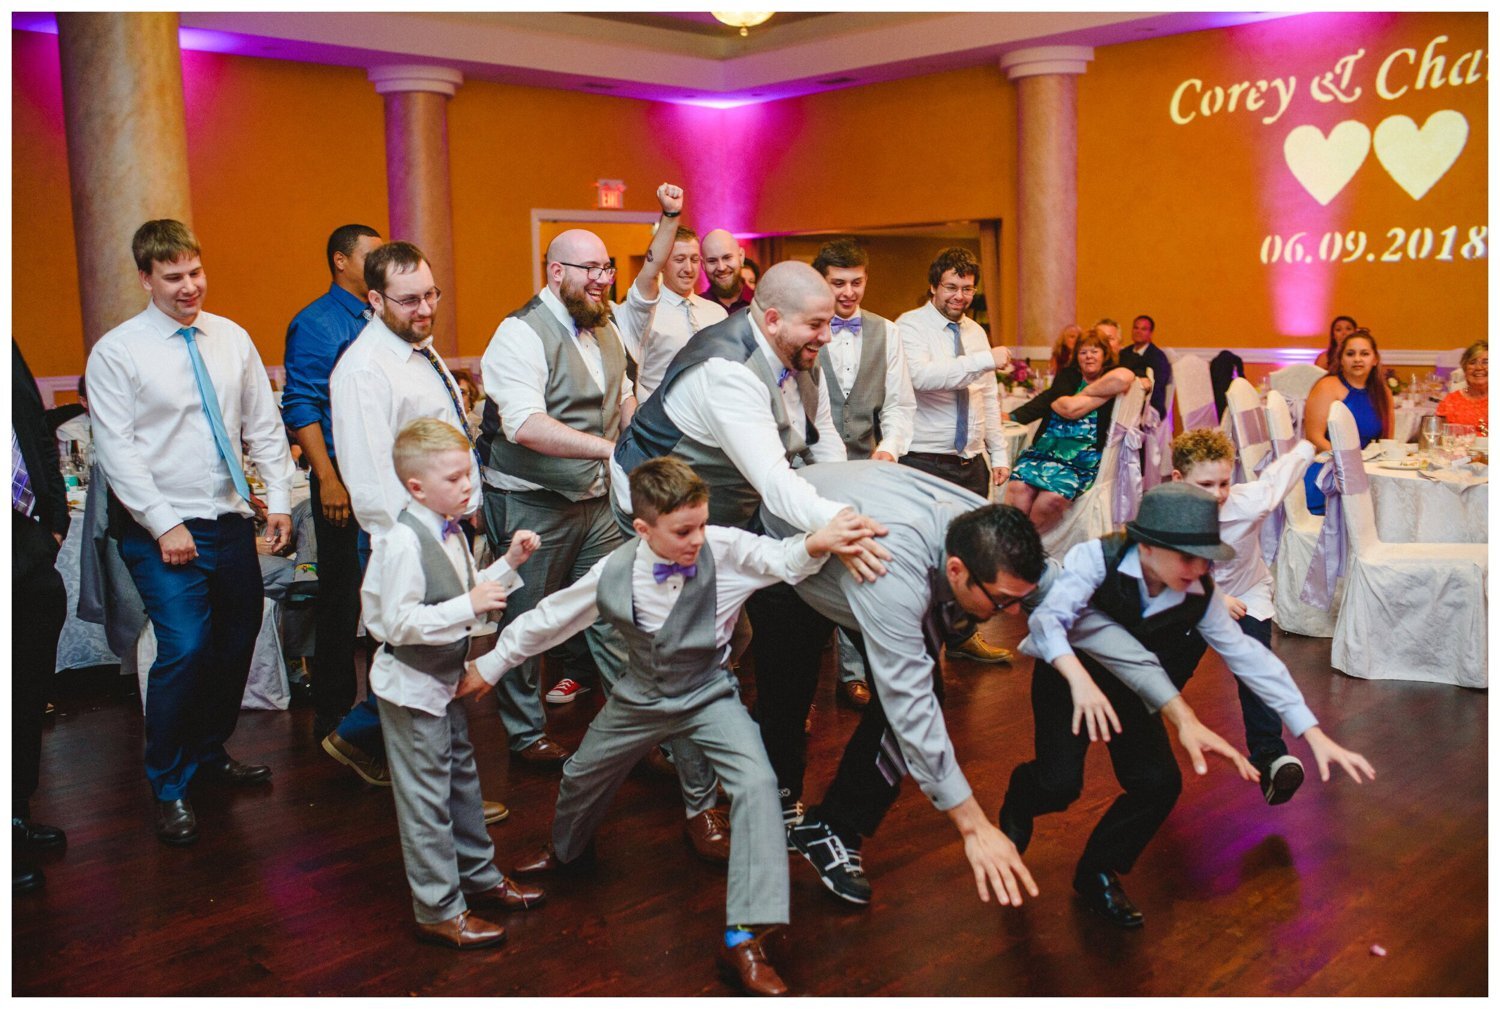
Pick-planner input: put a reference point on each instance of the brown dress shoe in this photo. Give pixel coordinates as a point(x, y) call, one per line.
point(463, 932)
point(746, 965)
point(546, 861)
point(507, 895)
point(545, 752)
point(708, 833)
point(373, 770)
point(855, 693)
point(494, 812)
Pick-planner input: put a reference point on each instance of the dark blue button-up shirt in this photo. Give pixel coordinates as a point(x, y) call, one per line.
point(316, 338)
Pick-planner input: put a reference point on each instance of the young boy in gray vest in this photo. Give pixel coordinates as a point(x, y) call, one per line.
point(676, 604)
point(1153, 580)
point(423, 600)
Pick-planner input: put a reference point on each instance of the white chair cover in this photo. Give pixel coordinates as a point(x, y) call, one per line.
point(1093, 514)
point(1195, 393)
point(1252, 438)
point(1412, 611)
point(1294, 382)
point(1293, 553)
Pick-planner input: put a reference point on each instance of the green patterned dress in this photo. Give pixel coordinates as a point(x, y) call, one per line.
point(1064, 458)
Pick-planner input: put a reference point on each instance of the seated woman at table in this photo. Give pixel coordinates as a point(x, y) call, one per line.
point(1074, 413)
point(1062, 350)
point(1340, 327)
point(1471, 403)
point(1355, 381)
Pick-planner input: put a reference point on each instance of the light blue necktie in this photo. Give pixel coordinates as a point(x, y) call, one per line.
point(215, 419)
point(961, 430)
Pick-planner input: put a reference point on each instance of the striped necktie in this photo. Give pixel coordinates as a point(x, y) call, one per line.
point(22, 499)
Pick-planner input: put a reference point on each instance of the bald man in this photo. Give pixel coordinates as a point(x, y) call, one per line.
point(558, 396)
point(745, 405)
point(722, 260)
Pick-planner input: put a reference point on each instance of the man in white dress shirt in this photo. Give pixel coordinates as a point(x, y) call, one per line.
point(744, 404)
point(952, 368)
point(680, 311)
point(175, 392)
point(389, 377)
point(870, 394)
point(558, 395)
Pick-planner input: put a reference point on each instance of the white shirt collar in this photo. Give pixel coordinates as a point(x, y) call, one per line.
point(765, 348)
point(1130, 565)
point(393, 343)
point(939, 319)
point(557, 308)
point(673, 298)
point(427, 516)
point(164, 325)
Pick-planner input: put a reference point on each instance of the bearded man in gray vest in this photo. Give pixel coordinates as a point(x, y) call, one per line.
point(558, 395)
point(870, 394)
point(745, 405)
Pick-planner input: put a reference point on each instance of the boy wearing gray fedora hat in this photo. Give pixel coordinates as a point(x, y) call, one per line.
point(1153, 580)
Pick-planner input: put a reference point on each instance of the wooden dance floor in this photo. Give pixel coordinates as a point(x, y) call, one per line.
point(297, 888)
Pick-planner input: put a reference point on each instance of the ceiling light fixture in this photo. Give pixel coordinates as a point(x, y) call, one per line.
point(743, 20)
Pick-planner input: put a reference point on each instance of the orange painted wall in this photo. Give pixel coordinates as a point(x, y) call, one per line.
point(1172, 217)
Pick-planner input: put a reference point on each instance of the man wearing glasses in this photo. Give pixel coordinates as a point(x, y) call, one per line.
point(955, 562)
point(558, 396)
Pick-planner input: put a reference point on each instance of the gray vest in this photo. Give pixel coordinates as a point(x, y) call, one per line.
point(857, 414)
point(682, 656)
point(446, 662)
point(571, 398)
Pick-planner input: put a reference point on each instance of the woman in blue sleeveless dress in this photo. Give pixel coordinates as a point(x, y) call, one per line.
point(1356, 382)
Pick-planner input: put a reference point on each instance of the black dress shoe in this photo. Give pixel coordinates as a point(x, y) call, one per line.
point(1103, 894)
point(175, 822)
point(233, 772)
point(24, 833)
point(26, 878)
point(1016, 827)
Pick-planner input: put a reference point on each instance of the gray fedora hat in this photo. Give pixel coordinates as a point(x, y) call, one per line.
point(1180, 517)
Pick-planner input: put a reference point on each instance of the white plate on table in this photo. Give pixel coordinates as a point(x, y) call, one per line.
point(1407, 463)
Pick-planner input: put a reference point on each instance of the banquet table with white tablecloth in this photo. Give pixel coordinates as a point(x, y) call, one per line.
point(1416, 506)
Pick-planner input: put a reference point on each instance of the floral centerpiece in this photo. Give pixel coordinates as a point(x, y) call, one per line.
point(1394, 383)
point(1017, 375)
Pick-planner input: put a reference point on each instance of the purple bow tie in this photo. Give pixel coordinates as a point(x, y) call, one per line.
point(853, 325)
point(450, 528)
point(661, 572)
point(786, 373)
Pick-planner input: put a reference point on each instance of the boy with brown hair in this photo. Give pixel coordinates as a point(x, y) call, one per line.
point(676, 603)
point(1205, 459)
point(423, 600)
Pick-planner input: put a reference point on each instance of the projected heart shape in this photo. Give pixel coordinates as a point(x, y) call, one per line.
point(1324, 165)
point(1418, 158)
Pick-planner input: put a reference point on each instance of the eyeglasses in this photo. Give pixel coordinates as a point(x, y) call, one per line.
point(410, 303)
point(1001, 601)
point(593, 272)
point(952, 289)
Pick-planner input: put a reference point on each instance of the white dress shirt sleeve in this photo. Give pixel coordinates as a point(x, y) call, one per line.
point(830, 445)
point(633, 318)
point(759, 561)
point(994, 435)
point(514, 368)
point(1081, 575)
point(900, 407)
point(111, 378)
point(554, 620)
point(1255, 665)
point(1260, 497)
point(391, 597)
point(263, 433)
point(722, 403)
point(932, 371)
point(360, 399)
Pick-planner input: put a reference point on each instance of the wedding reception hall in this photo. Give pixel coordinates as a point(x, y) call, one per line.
point(1081, 414)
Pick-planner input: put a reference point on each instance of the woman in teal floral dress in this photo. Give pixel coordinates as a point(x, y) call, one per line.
point(1064, 459)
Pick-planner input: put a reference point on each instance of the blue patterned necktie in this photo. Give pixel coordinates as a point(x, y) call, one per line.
point(961, 430)
point(22, 499)
point(661, 572)
point(210, 400)
point(853, 325)
point(458, 403)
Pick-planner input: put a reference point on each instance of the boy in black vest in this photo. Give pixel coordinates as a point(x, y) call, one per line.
point(1154, 581)
point(676, 603)
point(423, 600)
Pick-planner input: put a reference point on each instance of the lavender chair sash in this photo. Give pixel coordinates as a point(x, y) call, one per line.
point(1125, 499)
point(1251, 428)
point(1275, 523)
point(1346, 475)
point(1296, 407)
point(1156, 438)
point(1205, 416)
